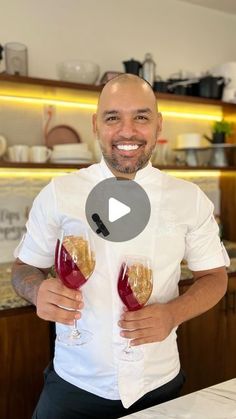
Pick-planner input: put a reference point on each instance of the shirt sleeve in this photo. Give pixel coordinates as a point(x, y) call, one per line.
point(204, 249)
point(38, 244)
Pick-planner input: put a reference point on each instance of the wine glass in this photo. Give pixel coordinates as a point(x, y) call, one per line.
point(74, 264)
point(135, 284)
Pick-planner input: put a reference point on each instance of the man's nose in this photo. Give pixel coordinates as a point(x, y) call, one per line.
point(127, 128)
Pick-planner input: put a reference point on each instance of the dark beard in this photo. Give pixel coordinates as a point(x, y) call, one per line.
point(131, 168)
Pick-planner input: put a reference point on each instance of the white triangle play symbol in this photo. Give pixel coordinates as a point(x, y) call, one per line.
point(116, 209)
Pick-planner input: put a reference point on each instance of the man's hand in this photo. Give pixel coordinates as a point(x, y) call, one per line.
point(152, 323)
point(57, 303)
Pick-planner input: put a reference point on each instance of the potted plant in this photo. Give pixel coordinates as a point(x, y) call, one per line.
point(221, 130)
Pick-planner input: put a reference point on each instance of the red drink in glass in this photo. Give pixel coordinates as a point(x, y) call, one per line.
point(67, 269)
point(125, 291)
point(134, 288)
point(74, 264)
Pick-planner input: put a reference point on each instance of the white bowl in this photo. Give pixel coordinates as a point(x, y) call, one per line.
point(68, 154)
point(78, 71)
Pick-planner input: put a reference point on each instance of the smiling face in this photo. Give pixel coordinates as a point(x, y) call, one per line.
point(127, 124)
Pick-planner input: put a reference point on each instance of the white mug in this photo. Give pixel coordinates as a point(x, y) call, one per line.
point(39, 154)
point(189, 140)
point(3, 145)
point(18, 153)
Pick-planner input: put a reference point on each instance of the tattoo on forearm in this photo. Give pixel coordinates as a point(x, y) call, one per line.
point(26, 281)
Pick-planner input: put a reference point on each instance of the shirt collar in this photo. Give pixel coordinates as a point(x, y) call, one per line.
point(142, 173)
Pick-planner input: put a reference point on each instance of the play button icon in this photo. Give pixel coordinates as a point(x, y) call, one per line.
point(117, 209)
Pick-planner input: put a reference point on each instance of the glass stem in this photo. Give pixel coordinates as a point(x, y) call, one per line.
point(75, 332)
point(128, 348)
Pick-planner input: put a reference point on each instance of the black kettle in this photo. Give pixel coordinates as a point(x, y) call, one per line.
point(217, 138)
point(1, 50)
point(132, 66)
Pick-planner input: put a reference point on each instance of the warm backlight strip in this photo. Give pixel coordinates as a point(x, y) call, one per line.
point(194, 173)
point(33, 173)
point(53, 102)
point(186, 115)
point(92, 106)
point(50, 173)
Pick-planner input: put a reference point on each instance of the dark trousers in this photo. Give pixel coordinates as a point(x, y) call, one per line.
point(62, 400)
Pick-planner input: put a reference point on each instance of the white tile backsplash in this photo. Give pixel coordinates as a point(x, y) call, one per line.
point(16, 197)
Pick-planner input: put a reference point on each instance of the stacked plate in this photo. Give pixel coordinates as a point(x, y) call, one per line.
point(71, 153)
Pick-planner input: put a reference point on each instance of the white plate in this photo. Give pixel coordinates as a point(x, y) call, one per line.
point(64, 155)
point(73, 147)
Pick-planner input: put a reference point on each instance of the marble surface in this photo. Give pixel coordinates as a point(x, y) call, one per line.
point(216, 402)
point(9, 299)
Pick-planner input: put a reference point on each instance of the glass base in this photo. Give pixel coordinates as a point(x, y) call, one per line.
point(75, 337)
point(131, 354)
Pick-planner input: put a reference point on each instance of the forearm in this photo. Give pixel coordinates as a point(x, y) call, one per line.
point(200, 297)
point(26, 280)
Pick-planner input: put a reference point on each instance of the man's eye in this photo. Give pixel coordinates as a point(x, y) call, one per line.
point(111, 118)
point(142, 117)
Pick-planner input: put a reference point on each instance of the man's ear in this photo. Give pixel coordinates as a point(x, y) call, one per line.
point(159, 127)
point(94, 121)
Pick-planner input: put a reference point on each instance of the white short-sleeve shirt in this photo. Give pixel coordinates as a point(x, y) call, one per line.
point(181, 226)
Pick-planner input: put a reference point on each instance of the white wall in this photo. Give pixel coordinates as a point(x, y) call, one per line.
point(180, 36)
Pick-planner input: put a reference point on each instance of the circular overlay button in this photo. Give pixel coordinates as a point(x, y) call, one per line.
point(118, 209)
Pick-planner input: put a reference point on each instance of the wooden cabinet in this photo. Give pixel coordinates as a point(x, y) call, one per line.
point(207, 344)
point(25, 350)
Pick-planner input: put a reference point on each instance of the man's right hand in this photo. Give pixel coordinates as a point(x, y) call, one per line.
point(57, 303)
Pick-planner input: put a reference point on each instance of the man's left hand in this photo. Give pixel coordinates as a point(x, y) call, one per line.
point(152, 323)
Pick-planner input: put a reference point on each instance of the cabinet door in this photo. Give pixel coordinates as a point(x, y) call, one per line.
point(229, 312)
point(24, 353)
point(207, 344)
point(201, 342)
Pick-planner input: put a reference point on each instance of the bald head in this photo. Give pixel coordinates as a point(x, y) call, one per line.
point(124, 81)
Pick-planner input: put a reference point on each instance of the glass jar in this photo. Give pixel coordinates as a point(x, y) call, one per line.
point(148, 69)
point(161, 155)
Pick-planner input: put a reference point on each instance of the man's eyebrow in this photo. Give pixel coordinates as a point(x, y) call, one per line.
point(115, 112)
point(144, 110)
point(111, 112)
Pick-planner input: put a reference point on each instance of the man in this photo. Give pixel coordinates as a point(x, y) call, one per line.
point(91, 381)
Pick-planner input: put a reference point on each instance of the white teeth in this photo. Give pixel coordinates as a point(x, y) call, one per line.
point(127, 147)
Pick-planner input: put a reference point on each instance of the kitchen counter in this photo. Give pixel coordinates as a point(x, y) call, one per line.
point(216, 402)
point(9, 299)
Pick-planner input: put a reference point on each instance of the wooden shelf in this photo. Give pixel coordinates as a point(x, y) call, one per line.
point(195, 168)
point(11, 165)
point(47, 82)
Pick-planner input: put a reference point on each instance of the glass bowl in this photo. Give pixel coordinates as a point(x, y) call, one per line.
point(78, 71)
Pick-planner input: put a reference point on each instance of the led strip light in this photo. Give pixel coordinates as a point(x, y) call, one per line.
point(93, 106)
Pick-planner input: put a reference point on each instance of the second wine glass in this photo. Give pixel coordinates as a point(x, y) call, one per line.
point(74, 264)
point(135, 282)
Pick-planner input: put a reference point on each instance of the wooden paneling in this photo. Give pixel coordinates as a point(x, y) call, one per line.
point(24, 352)
point(207, 344)
point(228, 205)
